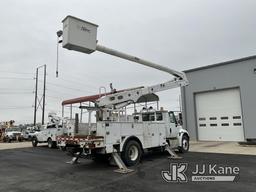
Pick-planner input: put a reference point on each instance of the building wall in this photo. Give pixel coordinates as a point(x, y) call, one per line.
point(239, 73)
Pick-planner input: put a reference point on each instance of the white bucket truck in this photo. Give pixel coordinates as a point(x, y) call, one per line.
point(116, 132)
point(50, 131)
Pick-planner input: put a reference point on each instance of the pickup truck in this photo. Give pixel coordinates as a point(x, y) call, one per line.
point(47, 135)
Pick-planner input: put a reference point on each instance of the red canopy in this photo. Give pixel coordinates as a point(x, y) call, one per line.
point(92, 98)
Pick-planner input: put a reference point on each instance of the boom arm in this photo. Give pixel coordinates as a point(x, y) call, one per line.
point(131, 96)
point(80, 35)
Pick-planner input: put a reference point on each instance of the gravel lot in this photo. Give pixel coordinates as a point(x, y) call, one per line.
point(42, 169)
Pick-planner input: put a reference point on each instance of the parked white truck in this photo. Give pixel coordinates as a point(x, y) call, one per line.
point(49, 132)
point(115, 131)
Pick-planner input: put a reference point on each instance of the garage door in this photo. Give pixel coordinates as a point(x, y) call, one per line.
point(219, 116)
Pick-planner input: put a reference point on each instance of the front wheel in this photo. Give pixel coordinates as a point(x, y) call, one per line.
point(51, 144)
point(132, 153)
point(34, 142)
point(184, 144)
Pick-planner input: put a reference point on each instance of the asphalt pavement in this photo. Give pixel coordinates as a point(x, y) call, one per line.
point(42, 169)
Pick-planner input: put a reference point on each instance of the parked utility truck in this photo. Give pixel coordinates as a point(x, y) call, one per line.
point(49, 131)
point(115, 131)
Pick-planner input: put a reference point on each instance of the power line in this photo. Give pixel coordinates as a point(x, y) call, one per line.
point(60, 92)
point(13, 72)
point(65, 87)
point(20, 78)
point(3, 88)
point(16, 92)
point(14, 107)
point(81, 82)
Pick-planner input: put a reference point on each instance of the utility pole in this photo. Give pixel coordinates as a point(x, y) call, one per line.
point(44, 94)
point(40, 102)
point(35, 106)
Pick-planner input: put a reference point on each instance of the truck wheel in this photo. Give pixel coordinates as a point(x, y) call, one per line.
point(184, 144)
point(62, 148)
point(132, 153)
point(51, 144)
point(34, 142)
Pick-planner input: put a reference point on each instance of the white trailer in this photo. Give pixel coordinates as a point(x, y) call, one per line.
point(115, 131)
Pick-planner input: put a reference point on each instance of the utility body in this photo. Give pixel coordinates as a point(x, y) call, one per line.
point(117, 128)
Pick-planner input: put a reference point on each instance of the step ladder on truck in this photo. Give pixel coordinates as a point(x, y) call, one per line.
point(115, 132)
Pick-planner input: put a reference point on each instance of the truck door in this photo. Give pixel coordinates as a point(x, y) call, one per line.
point(173, 127)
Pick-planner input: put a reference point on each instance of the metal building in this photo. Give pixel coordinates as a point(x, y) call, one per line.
point(219, 104)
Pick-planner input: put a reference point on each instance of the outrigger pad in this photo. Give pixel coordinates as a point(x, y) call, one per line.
point(172, 153)
point(73, 161)
point(119, 162)
point(75, 158)
point(123, 171)
point(174, 157)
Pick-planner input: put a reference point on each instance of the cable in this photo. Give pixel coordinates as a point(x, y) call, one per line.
point(60, 92)
point(58, 85)
point(22, 73)
point(16, 92)
point(17, 78)
point(76, 82)
point(8, 89)
point(14, 107)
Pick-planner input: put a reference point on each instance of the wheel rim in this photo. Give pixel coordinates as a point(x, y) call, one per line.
point(185, 144)
point(49, 144)
point(133, 152)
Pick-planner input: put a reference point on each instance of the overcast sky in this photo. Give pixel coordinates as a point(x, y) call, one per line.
point(176, 33)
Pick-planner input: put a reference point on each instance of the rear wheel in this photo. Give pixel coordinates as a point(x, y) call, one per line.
point(184, 144)
point(34, 142)
point(132, 153)
point(51, 144)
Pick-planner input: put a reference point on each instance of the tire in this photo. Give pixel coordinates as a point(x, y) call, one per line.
point(51, 144)
point(20, 139)
point(132, 153)
point(62, 148)
point(34, 142)
point(184, 144)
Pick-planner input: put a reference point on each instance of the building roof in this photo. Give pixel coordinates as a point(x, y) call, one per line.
point(220, 64)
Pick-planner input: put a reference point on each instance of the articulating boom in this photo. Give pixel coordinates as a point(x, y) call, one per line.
point(80, 35)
